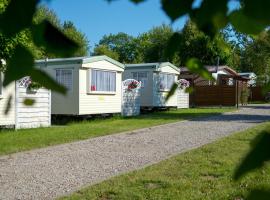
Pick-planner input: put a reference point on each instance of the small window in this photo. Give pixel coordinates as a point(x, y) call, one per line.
point(102, 81)
point(166, 81)
point(65, 78)
point(141, 76)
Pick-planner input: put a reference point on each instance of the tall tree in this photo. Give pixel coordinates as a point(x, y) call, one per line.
point(24, 38)
point(68, 28)
point(195, 44)
point(121, 43)
point(256, 57)
point(71, 31)
point(104, 50)
point(151, 45)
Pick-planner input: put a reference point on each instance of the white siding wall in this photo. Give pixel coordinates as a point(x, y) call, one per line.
point(168, 69)
point(146, 98)
point(8, 119)
point(37, 115)
point(99, 103)
point(65, 104)
point(182, 99)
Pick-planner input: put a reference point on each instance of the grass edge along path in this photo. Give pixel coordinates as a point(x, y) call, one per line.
point(202, 173)
point(27, 139)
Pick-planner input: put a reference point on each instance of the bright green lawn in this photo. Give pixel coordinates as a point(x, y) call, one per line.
point(15, 141)
point(203, 173)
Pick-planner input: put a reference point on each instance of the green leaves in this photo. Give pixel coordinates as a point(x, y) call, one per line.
point(46, 81)
point(258, 155)
point(17, 16)
point(211, 16)
point(173, 45)
point(22, 64)
point(137, 1)
point(19, 65)
point(257, 10)
point(53, 40)
point(171, 92)
point(8, 106)
point(176, 8)
point(259, 195)
point(195, 66)
point(245, 24)
point(28, 102)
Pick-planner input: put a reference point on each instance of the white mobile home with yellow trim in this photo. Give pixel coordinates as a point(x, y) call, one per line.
point(157, 79)
point(93, 85)
point(20, 115)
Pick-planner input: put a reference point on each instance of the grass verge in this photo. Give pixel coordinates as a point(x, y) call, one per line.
point(203, 173)
point(21, 140)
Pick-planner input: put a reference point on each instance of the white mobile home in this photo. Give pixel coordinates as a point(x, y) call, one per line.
point(93, 85)
point(19, 114)
point(157, 79)
point(251, 76)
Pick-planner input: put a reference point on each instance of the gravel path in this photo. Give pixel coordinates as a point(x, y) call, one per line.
point(54, 171)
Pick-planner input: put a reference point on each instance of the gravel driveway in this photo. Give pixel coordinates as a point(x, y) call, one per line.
point(54, 171)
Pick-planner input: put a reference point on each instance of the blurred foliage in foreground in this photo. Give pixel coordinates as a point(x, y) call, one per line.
point(210, 16)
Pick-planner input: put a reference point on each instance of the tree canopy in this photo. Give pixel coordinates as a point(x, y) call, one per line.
point(152, 45)
point(121, 46)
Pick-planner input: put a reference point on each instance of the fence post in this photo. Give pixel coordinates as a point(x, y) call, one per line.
point(237, 94)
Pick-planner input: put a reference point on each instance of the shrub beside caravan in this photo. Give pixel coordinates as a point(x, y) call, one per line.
point(93, 85)
point(19, 114)
point(156, 79)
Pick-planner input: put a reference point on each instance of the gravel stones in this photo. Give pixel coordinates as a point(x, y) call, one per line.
point(59, 170)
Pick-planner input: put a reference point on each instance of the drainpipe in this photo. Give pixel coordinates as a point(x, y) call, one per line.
point(217, 69)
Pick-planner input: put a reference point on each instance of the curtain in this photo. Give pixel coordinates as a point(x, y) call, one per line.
point(64, 77)
point(103, 81)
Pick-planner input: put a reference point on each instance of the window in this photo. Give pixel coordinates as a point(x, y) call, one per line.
point(102, 81)
point(65, 78)
point(141, 76)
point(166, 81)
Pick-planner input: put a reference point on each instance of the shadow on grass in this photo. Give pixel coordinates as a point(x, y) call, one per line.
point(174, 115)
point(188, 114)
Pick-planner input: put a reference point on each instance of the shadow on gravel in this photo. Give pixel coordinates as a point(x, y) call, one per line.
point(257, 106)
point(236, 117)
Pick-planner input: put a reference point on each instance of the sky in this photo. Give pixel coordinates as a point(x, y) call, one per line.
point(96, 18)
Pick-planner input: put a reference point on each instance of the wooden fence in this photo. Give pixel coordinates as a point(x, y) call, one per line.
point(214, 95)
point(256, 94)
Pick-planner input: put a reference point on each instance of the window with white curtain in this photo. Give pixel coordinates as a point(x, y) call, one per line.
point(65, 78)
point(166, 81)
point(102, 81)
point(140, 76)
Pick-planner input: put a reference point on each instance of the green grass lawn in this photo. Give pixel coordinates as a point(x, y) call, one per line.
point(203, 173)
point(21, 140)
point(258, 102)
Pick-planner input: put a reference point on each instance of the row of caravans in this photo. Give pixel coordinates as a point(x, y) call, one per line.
point(94, 86)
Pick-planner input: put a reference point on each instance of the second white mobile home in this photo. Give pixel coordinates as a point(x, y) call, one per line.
point(93, 85)
point(157, 80)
